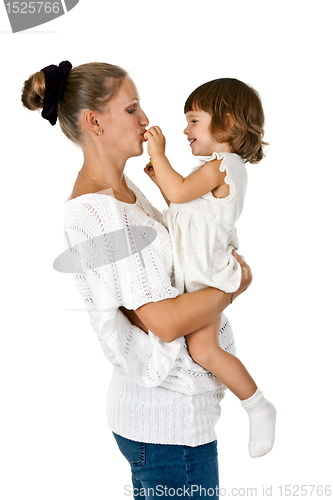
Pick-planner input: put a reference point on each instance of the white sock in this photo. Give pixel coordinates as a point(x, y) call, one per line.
point(262, 415)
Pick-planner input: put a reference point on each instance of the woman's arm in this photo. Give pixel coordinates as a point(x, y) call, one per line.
point(133, 318)
point(172, 318)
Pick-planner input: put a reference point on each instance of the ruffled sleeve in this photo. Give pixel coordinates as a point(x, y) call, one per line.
point(236, 178)
point(214, 156)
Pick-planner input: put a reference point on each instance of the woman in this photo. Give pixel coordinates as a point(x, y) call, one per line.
point(162, 407)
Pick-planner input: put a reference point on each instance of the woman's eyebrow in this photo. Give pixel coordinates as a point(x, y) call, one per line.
point(133, 101)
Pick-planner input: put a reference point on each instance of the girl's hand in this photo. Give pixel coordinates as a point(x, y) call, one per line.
point(246, 274)
point(149, 170)
point(156, 141)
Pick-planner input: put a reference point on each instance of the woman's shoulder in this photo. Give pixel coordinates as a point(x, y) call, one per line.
point(101, 212)
point(88, 201)
point(81, 196)
point(92, 213)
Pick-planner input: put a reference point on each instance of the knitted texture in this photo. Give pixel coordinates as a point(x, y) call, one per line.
point(157, 393)
point(203, 232)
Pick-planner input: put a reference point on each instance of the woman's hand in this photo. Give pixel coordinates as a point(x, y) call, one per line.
point(246, 274)
point(156, 141)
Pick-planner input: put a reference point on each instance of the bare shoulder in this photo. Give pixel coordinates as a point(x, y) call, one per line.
point(222, 189)
point(212, 168)
point(82, 186)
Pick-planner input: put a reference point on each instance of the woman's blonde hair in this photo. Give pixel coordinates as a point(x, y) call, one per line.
point(88, 86)
point(228, 96)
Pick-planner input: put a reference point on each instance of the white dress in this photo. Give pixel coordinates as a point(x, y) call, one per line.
point(203, 232)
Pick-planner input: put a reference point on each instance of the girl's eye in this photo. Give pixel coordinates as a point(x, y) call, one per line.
point(194, 121)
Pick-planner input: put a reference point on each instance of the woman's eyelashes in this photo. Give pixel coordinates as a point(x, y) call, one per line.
point(133, 107)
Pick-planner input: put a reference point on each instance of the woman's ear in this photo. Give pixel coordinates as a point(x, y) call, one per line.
point(90, 122)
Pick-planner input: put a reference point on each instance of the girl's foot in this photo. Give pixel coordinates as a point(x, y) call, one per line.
point(262, 416)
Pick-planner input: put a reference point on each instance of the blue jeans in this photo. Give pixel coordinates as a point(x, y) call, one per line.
point(171, 471)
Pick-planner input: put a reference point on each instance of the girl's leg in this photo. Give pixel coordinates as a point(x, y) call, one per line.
point(160, 470)
point(205, 350)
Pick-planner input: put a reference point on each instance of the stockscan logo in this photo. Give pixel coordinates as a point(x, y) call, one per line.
point(25, 15)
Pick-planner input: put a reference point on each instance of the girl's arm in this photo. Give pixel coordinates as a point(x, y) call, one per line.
point(172, 318)
point(149, 170)
point(175, 187)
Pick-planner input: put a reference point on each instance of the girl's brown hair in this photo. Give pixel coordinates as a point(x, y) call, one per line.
point(228, 96)
point(89, 86)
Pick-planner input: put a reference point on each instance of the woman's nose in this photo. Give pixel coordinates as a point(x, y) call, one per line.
point(144, 119)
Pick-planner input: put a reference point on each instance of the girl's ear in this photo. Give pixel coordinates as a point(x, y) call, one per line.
point(90, 121)
point(229, 120)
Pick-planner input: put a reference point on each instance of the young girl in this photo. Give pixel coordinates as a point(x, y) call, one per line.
point(225, 122)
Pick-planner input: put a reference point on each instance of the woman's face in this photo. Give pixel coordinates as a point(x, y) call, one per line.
point(124, 122)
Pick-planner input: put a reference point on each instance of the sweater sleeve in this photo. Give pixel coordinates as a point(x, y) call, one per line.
point(120, 261)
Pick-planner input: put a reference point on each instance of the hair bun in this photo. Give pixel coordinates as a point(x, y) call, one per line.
point(33, 91)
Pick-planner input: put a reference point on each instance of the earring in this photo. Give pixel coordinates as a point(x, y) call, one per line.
point(100, 132)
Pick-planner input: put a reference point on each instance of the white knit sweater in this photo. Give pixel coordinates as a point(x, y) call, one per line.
point(157, 393)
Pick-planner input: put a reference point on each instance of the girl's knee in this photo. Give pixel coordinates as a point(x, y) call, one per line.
point(200, 352)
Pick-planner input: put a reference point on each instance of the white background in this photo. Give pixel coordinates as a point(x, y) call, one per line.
point(55, 442)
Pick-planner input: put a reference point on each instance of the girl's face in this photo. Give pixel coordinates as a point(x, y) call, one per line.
point(198, 133)
point(124, 122)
